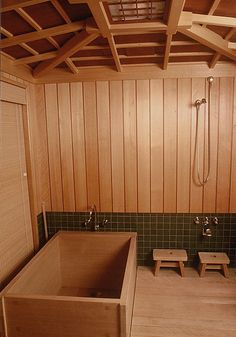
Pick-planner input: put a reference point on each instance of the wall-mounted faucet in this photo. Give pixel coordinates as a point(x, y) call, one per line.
point(206, 230)
point(92, 221)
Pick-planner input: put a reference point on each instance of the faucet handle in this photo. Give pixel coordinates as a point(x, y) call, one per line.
point(196, 220)
point(215, 221)
point(206, 221)
point(104, 222)
point(85, 223)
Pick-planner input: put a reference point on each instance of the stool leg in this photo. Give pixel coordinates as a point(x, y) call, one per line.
point(202, 269)
point(181, 268)
point(225, 270)
point(157, 267)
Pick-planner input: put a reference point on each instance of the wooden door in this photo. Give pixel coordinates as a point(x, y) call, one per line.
point(16, 242)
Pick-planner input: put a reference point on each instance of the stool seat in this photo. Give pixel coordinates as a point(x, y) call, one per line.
point(169, 258)
point(212, 260)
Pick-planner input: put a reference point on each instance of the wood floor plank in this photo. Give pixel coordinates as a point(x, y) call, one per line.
point(171, 306)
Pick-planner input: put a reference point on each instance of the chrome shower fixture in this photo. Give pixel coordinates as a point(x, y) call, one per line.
point(198, 179)
point(210, 79)
point(206, 221)
point(206, 231)
point(199, 102)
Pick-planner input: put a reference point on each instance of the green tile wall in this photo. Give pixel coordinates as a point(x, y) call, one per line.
point(156, 231)
point(41, 230)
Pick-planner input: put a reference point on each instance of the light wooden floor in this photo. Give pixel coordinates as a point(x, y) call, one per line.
point(171, 306)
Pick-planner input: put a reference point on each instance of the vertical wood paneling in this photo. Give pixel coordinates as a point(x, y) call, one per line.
point(233, 163)
point(143, 138)
point(184, 145)
point(54, 146)
point(157, 149)
point(196, 191)
point(91, 141)
point(209, 193)
point(104, 145)
point(117, 146)
point(41, 150)
point(225, 142)
point(130, 145)
point(170, 146)
point(66, 147)
point(77, 112)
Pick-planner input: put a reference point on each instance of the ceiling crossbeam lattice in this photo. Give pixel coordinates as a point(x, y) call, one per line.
point(116, 33)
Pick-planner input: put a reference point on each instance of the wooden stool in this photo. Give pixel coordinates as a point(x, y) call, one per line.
point(169, 258)
point(213, 260)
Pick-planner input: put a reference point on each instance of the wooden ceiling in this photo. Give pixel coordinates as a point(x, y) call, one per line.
point(78, 34)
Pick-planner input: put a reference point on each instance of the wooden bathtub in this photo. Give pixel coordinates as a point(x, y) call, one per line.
point(79, 285)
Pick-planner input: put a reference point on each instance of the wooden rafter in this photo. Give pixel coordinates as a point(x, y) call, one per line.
point(122, 57)
point(232, 45)
point(167, 50)
point(214, 6)
point(50, 39)
point(36, 58)
point(61, 11)
point(114, 52)
point(71, 47)
point(214, 20)
point(175, 19)
point(49, 55)
point(185, 21)
point(99, 14)
point(175, 10)
point(217, 56)
point(210, 39)
point(8, 5)
point(58, 30)
point(23, 45)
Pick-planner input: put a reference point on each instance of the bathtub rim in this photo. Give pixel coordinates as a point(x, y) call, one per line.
point(132, 236)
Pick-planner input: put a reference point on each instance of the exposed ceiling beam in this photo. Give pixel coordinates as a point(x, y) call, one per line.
point(214, 6)
point(50, 55)
point(232, 45)
point(71, 66)
point(103, 24)
point(114, 52)
point(185, 21)
point(50, 39)
point(214, 20)
point(167, 51)
point(8, 5)
point(58, 30)
point(122, 57)
point(136, 28)
point(61, 10)
point(175, 10)
point(210, 39)
point(36, 58)
point(23, 45)
point(76, 43)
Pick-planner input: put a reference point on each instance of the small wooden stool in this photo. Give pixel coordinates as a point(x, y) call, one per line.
point(211, 260)
point(169, 258)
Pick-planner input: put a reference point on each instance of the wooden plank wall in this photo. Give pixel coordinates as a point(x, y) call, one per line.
point(128, 146)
